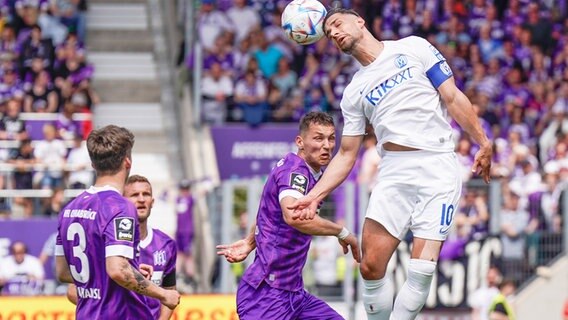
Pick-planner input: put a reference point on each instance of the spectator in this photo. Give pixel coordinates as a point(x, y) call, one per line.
point(250, 96)
point(245, 17)
point(67, 128)
point(78, 161)
point(284, 79)
point(67, 11)
point(20, 272)
point(12, 127)
point(35, 46)
point(481, 299)
point(42, 97)
point(211, 23)
point(23, 160)
point(217, 90)
point(11, 87)
point(475, 215)
point(51, 153)
point(267, 55)
point(501, 308)
point(184, 233)
point(54, 203)
point(515, 225)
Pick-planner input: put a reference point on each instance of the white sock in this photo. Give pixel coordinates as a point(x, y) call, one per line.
point(378, 298)
point(412, 296)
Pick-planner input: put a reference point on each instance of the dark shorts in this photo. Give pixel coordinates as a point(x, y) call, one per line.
point(183, 242)
point(269, 303)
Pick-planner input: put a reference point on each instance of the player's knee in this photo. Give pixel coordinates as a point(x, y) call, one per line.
point(371, 270)
point(420, 274)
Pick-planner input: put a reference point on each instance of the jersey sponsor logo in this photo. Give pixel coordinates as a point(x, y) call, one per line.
point(160, 258)
point(124, 229)
point(400, 61)
point(436, 53)
point(380, 91)
point(299, 182)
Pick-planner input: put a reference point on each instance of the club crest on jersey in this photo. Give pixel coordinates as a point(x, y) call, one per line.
point(160, 258)
point(299, 182)
point(124, 229)
point(446, 68)
point(400, 61)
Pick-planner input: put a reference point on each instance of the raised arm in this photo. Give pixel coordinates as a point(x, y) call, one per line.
point(334, 175)
point(461, 110)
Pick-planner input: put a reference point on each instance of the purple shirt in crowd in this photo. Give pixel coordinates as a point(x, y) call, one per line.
point(281, 251)
point(159, 251)
point(100, 223)
point(184, 209)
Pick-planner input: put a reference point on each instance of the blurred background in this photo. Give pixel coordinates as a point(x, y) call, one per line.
point(213, 91)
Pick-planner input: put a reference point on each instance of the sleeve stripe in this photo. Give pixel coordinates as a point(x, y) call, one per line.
point(59, 250)
point(290, 193)
point(119, 250)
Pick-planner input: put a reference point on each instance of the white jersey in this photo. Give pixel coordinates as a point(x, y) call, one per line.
point(398, 94)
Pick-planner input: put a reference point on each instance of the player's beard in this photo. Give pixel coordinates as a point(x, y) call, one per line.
point(349, 44)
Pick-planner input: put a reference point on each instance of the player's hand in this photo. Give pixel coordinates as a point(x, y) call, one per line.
point(236, 251)
point(146, 270)
point(482, 162)
point(351, 241)
point(170, 299)
point(304, 208)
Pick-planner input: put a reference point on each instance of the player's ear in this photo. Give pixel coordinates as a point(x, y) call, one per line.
point(360, 22)
point(300, 142)
point(127, 163)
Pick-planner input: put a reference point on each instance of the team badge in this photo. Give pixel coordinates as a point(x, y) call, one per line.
point(124, 229)
point(400, 61)
point(299, 182)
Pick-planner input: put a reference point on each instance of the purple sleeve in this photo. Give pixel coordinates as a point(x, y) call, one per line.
point(58, 246)
point(171, 265)
point(293, 181)
point(119, 235)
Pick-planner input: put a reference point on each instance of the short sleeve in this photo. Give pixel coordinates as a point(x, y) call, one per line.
point(435, 65)
point(58, 246)
point(293, 183)
point(171, 266)
point(354, 120)
point(119, 235)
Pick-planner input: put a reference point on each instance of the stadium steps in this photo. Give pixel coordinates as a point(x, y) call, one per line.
point(120, 45)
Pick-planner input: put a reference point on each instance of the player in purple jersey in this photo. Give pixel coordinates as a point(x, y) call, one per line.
point(98, 237)
point(272, 287)
point(157, 250)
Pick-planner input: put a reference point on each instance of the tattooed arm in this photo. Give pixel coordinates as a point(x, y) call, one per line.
point(122, 272)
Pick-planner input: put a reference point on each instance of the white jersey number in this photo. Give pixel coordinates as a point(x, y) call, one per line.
point(79, 252)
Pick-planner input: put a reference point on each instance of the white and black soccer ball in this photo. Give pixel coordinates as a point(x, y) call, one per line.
point(302, 21)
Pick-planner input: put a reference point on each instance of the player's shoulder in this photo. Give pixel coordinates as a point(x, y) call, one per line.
point(290, 163)
point(411, 40)
point(159, 234)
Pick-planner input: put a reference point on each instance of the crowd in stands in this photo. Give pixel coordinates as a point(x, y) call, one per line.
point(509, 57)
point(43, 69)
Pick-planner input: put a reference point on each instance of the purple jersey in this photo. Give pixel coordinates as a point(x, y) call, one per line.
point(159, 251)
point(281, 250)
point(100, 223)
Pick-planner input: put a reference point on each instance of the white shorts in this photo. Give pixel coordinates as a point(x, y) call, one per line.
point(419, 190)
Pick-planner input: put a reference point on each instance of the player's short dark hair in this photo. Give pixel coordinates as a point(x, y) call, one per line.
point(333, 11)
point(108, 147)
point(315, 117)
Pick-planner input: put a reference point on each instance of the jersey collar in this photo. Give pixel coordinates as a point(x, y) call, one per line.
point(94, 189)
point(144, 243)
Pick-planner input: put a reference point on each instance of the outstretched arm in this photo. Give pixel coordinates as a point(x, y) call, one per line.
point(238, 250)
point(334, 175)
point(461, 110)
point(321, 227)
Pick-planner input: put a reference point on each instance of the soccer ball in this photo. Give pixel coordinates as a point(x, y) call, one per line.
point(302, 21)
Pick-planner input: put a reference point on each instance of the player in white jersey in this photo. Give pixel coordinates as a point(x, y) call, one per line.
point(404, 88)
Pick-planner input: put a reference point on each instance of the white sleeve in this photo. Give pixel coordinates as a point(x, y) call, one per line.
point(354, 120)
point(426, 52)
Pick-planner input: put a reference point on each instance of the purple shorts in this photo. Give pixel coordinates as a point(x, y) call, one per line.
point(269, 303)
point(183, 242)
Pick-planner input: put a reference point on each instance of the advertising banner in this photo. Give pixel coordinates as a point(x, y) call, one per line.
point(245, 152)
point(192, 307)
